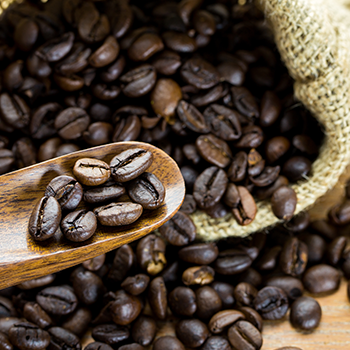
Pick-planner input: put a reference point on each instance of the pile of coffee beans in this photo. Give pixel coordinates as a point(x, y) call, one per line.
point(104, 183)
point(201, 79)
point(151, 294)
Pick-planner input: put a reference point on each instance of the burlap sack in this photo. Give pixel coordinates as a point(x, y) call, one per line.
point(313, 37)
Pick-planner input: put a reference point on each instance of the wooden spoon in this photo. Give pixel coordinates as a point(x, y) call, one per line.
point(21, 258)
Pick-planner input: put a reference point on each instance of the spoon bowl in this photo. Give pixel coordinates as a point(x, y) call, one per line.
point(22, 258)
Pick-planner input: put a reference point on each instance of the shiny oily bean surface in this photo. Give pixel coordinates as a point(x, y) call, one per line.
point(182, 301)
point(199, 254)
point(223, 319)
point(243, 335)
point(91, 172)
point(118, 214)
point(193, 333)
point(108, 191)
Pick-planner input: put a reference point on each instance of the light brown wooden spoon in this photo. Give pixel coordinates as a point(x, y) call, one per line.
point(21, 258)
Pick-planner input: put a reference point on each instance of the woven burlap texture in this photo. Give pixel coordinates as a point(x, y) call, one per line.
point(313, 38)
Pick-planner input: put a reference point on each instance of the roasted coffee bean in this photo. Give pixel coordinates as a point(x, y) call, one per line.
point(71, 123)
point(130, 164)
point(113, 71)
point(37, 282)
point(167, 62)
point(270, 109)
point(182, 301)
point(271, 303)
point(291, 285)
point(209, 187)
point(336, 249)
point(144, 330)
point(105, 54)
point(223, 122)
point(266, 192)
point(252, 137)
point(26, 34)
point(244, 101)
point(118, 214)
point(192, 117)
point(25, 335)
point(98, 346)
point(138, 81)
point(14, 111)
point(232, 72)
point(147, 190)
point(192, 333)
point(198, 275)
point(57, 300)
point(219, 210)
point(297, 168)
point(321, 279)
point(324, 228)
point(208, 302)
point(110, 190)
point(127, 129)
point(35, 314)
point(238, 167)
point(45, 219)
point(145, 46)
point(179, 230)
point(276, 148)
point(268, 176)
point(199, 254)
point(66, 190)
point(243, 335)
point(157, 297)
point(94, 264)
point(180, 42)
point(340, 213)
point(244, 209)
point(293, 257)
point(133, 346)
point(189, 205)
point(98, 133)
point(223, 319)
point(216, 343)
point(225, 292)
point(7, 309)
point(232, 261)
point(91, 172)
point(105, 92)
point(168, 342)
point(150, 254)
point(214, 150)
point(125, 308)
point(66, 148)
point(316, 246)
point(69, 83)
point(190, 175)
point(110, 334)
point(135, 285)
point(24, 152)
point(7, 160)
point(283, 202)
point(78, 321)
point(123, 260)
point(5, 342)
point(268, 261)
point(190, 152)
point(12, 78)
point(299, 222)
point(253, 317)
point(37, 67)
point(63, 339)
point(305, 313)
point(245, 294)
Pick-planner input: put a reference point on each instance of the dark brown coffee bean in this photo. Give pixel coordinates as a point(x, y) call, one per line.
point(34, 313)
point(138, 81)
point(223, 319)
point(7, 160)
point(291, 285)
point(252, 137)
point(198, 275)
point(12, 76)
point(266, 192)
point(321, 279)
point(305, 313)
point(225, 292)
point(340, 213)
point(214, 150)
point(238, 167)
point(219, 210)
point(283, 202)
point(7, 322)
point(191, 117)
point(26, 34)
point(147, 190)
point(98, 346)
point(157, 297)
point(62, 338)
point(135, 285)
point(150, 254)
point(271, 303)
point(232, 72)
point(37, 282)
point(193, 333)
point(66, 148)
point(336, 249)
point(110, 334)
point(125, 308)
point(297, 168)
point(133, 346)
point(130, 164)
point(168, 342)
point(245, 102)
point(145, 46)
point(45, 219)
point(182, 301)
point(208, 302)
point(270, 109)
point(179, 42)
point(199, 73)
point(245, 294)
point(179, 230)
point(144, 330)
point(105, 92)
point(91, 171)
point(98, 133)
point(127, 129)
point(94, 264)
point(232, 261)
point(268, 261)
point(110, 190)
point(123, 261)
point(14, 111)
point(189, 205)
point(105, 54)
point(5, 342)
point(276, 148)
point(167, 62)
point(199, 254)
point(209, 187)
point(113, 71)
point(25, 335)
point(299, 222)
point(253, 317)
point(37, 67)
point(305, 144)
point(243, 335)
point(78, 322)
point(118, 214)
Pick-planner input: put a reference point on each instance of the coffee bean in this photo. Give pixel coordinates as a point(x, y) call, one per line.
point(123, 260)
point(270, 109)
point(26, 34)
point(199, 254)
point(35, 314)
point(182, 301)
point(98, 133)
point(94, 264)
point(245, 294)
point(225, 292)
point(150, 254)
point(78, 321)
point(66, 190)
point(145, 46)
point(127, 129)
point(193, 333)
point(57, 300)
point(118, 214)
point(91, 172)
point(305, 313)
point(283, 202)
point(216, 342)
point(321, 279)
point(98, 346)
point(198, 275)
point(7, 160)
point(130, 164)
point(299, 222)
point(136, 285)
point(5, 342)
point(223, 319)
point(296, 168)
point(12, 78)
point(37, 282)
point(179, 42)
point(105, 54)
point(253, 317)
point(110, 190)
point(189, 205)
point(238, 167)
point(25, 335)
point(144, 330)
point(244, 102)
point(169, 343)
point(266, 192)
point(232, 261)
point(179, 230)
point(340, 213)
point(271, 303)
point(110, 334)
point(243, 335)
point(132, 347)
point(14, 111)
point(192, 117)
point(45, 219)
point(291, 285)
point(157, 297)
point(244, 209)
point(167, 62)
point(61, 338)
point(208, 302)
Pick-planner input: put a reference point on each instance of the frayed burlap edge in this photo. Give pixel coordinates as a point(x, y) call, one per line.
point(313, 38)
